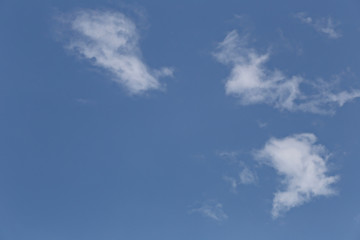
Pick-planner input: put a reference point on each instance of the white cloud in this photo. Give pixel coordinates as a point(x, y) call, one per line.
point(211, 209)
point(253, 83)
point(303, 166)
point(326, 26)
point(247, 176)
point(110, 40)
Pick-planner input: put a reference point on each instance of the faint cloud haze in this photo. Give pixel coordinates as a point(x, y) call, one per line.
point(211, 209)
point(245, 175)
point(357, 219)
point(325, 26)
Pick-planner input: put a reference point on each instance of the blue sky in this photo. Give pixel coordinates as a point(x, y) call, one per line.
point(179, 120)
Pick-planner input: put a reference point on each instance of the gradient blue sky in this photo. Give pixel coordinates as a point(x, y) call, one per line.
point(86, 155)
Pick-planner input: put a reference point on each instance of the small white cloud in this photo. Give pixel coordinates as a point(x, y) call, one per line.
point(253, 83)
point(326, 26)
point(110, 40)
point(303, 166)
point(247, 176)
point(211, 209)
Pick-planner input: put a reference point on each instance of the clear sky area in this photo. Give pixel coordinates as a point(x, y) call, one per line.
point(179, 120)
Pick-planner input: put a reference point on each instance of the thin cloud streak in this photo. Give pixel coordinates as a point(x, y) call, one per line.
point(211, 209)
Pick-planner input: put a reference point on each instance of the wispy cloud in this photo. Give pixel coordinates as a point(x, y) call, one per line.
point(233, 183)
point(231, 156)
point(110, 40)
point(303, 166)
point(262, 124)
point(211, 209)
point(325, 26)
point(245, 176)
point(253, 83)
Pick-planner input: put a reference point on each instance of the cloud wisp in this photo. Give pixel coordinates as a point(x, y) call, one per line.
point(110, 40)
point(302, 164)
point(325, 26)
point(253, 83)
point(211, 209)
point(245, 175)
